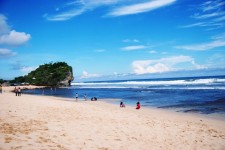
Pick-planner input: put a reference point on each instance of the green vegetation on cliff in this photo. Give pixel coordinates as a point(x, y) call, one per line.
point(52, 74)
point(1, 81)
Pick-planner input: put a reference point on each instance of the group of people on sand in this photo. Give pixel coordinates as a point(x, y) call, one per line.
point(17, 91)
point(85, 97)
point(95, 99)
point(137, 107)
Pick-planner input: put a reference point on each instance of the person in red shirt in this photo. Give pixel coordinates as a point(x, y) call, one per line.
point(138, 105)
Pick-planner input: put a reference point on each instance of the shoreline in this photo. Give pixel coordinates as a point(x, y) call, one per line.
point(47, 122)
point(11, 88)
point(216, 116)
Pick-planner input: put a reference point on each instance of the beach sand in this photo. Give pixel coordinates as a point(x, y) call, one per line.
point(40, 122)
point(11, 88)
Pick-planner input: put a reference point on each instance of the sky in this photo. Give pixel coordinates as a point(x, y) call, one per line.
point(112, 38)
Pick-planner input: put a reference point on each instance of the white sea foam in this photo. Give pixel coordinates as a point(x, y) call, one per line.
point(191, 88)
point(153, 83)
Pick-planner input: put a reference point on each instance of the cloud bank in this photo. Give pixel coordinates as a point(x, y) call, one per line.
point(5, 53)
point(86, 75)
point(10, 38)
point(163, 64)
point(14, 38)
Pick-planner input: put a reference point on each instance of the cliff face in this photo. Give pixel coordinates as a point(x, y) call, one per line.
point(67, 81)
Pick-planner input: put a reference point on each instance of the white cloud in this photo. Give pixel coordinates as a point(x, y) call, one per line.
point(120, 7)
point(65, 15)
point(216, 61)
point(152, 52)
point(219, 36)
point(14, 38)
point(68, 11)
point(5, 53)
point(11, 37)
point(211, 13)
point(115, 74)
point(130, 40)
point(143, 67)
point(162, 65)
point(194, 25)
point(140, 8)
point(27, 69)
point(203, 46)
point(133, 48)
point(100, 50)
point(212, 5)
point(4, 28)
point(220, 19)
point(88, 75)
point(94, 3)
point(204, 24)
point(77, 8)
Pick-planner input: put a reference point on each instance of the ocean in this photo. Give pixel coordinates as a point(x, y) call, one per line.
point(205, 95)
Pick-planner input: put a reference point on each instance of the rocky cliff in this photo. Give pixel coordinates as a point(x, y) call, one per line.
point(67, 81)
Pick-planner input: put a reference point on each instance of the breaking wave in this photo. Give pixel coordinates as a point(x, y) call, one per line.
point(210, 83)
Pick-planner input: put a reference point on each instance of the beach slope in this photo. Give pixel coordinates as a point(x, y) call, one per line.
point(39, 122)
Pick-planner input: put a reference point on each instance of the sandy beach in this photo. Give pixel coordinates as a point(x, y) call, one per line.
point(11, 88)
point(40, 122)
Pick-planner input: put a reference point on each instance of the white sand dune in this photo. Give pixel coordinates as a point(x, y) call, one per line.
point(39, 122)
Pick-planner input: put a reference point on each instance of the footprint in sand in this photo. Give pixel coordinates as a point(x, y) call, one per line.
point(103, 148)
point(61, 147)
point(44, 139)
point(18, 147)
point(222, 136)
point(134, 138)
point(8, 139)
point(212, 131)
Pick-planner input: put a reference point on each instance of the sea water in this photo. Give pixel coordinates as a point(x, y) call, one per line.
point(192, 94)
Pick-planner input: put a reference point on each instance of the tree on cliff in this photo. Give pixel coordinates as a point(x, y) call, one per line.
point(52, 74)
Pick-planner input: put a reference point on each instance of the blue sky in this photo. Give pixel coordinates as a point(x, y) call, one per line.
point(112, 38)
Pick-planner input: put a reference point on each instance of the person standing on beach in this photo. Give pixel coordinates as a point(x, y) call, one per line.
point(76, 97)
point(0, 89)
point(16, 91)
point(19, 91)
point(85, 97)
